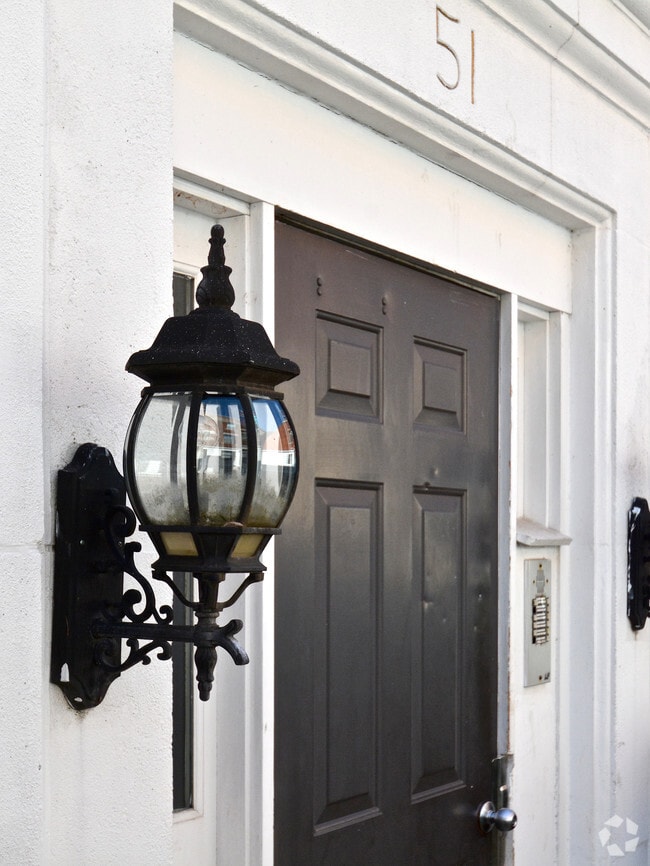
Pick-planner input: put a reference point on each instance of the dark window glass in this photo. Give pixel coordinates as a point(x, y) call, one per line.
point(182, 662)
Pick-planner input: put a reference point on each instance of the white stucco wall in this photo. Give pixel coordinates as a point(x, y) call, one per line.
point(558, 129)
point(108, 289)
point(85, 113)
point(549, 98)
point(22, 714)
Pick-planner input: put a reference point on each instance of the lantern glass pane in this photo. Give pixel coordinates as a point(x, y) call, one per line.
point(276, 463)
point(160, 463)
point(221, 459)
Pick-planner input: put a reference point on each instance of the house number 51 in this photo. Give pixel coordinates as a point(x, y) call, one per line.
point(452, 82)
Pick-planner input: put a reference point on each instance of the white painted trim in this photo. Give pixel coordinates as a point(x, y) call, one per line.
point(586, 478)
point(417, 208)
point(582, 775)
point(260, 604)
point(240, 30)
point(638, 10)
point(201, 198)
point(564, 39)
point(603, 413)
point(507, 487)
point(247, 694)
point(533, 534)
point(587, 753)
point(191, 828)
point(539, 441)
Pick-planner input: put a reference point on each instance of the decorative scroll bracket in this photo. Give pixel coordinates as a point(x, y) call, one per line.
point(92, 612)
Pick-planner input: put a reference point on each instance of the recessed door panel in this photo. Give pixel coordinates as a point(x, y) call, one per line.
point(348, 545)
point(440, 389)
point(348, 367)
point(437, 725)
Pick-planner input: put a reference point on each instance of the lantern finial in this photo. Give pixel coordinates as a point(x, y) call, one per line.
point(213, 346)
point(215, 289)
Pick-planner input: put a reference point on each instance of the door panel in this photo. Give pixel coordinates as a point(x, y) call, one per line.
point(386, 611)
point(437, 738)
point(346, 615)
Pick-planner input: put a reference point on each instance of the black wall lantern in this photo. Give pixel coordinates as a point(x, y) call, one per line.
point(638, 563)
point(211, 465)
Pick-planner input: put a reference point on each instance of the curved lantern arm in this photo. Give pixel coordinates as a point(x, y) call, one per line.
point(256, 577)
point(171, 583)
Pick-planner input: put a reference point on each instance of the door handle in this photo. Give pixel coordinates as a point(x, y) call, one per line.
point(489, 817)
point(499, 816)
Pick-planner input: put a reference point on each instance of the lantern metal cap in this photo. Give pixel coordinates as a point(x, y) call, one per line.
point(212, 345)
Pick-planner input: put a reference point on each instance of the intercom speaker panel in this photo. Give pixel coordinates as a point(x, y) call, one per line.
point(537, 621)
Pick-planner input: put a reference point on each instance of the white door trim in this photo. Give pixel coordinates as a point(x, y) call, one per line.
point(240, 165)
point(269, 45)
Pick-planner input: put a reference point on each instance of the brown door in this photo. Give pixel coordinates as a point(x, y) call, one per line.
point(386, 587)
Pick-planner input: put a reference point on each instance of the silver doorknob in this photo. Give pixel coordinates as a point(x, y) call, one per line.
point(489, 817)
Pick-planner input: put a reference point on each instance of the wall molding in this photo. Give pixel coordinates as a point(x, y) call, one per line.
point(570, 45)
point(269, 45)
point(639, 9)
point(257, 40)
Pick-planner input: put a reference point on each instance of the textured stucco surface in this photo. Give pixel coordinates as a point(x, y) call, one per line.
point(22, 229)
point(109, 254)
point(85, 233)
point(543, 96)
point(85, 114)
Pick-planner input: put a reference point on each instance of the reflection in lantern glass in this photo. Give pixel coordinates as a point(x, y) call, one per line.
point(159, 459)
point(207, 432)
point(276, 463)
point(221, 459)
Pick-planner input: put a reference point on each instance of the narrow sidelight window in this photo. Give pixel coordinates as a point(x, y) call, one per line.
point(182, 673)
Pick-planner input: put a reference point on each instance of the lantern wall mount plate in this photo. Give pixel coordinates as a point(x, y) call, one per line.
point(211, 465)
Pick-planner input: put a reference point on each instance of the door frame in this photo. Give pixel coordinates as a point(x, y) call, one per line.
point(503, 345)
point(233, 732)
point(565, 247)
point(254, 786)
